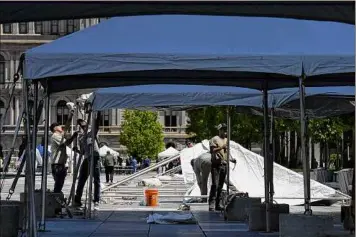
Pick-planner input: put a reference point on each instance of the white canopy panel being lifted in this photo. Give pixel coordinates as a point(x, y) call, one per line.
point(247, 176)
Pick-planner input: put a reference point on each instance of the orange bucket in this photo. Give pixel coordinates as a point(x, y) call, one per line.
point(151, 196)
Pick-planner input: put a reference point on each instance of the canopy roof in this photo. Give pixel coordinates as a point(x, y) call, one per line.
point(58, 10)
point(206, 50)
point(178, 96)
point(320, 101)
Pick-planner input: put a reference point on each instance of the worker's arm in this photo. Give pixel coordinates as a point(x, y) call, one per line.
point(71, 139)
point(214, 147)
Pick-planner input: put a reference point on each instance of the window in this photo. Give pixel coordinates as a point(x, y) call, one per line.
point(70, 26)
point(54, 27)
point(62, 112)
point(38, 27)
point(23, 28)
point(2, 70)
point(105, 120)
point(2, 109)
point(76, 24)
point(170, 120)
point(7, 28)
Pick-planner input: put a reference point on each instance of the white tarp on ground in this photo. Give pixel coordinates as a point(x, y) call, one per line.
point(104, 149)
point(247, 176)
point(171, 218)
point(168, 153)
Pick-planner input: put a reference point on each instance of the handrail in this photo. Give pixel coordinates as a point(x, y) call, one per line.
point(141, 172)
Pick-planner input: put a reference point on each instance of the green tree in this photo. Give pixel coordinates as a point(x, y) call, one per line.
point(202, 122)
point(245, 128)
point(327, 131)
point(142, 133)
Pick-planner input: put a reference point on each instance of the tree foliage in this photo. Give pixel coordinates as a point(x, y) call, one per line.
point(142, 133)
point(245, 129)
point(326, 130)
point(202, 122)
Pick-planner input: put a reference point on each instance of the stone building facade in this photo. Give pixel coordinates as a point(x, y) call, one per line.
point(15, 39)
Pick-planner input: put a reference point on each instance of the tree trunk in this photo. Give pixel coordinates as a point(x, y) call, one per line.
point(282, 153)
point(277, 148)
point(293, 150)
point(327, 155)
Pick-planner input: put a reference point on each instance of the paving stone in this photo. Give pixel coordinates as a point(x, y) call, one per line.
point(202, 217)
point(175, 228)
point(120, 226)
point(227, 227)
point(182, 234)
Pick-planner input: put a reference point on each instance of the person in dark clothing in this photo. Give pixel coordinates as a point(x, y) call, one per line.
point(133, 164)
point(109, 163)
point(219, 159)
point(146, 162)
point(85, 141)
point(22, 146)
point(119, 160)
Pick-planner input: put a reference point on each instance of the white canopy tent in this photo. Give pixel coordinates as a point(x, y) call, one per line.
point(168, 153)
point(104, 149)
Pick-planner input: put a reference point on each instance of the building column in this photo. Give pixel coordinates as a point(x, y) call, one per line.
point(15, 28)
point(87, 23)
point(31, 28)
point(11, 69)
point(46, 28)
point(17, 107)
point(113, 117)
point(12, 112)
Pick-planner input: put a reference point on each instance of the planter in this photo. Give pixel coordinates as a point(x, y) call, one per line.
point(9, 219)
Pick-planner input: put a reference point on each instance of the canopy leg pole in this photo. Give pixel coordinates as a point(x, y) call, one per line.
point(228, 148)
point(266, 154)
point(42, 224)
point(34, 131)
point(91, 163)
point(304, 157)
point(271, 158)
point(31, 217)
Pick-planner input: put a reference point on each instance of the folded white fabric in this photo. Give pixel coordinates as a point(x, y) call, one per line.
point(170, 218)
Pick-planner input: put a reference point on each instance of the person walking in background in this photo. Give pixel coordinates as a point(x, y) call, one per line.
point(109, 163)
point(146, 162)
point(134, 165)
point(119, 160)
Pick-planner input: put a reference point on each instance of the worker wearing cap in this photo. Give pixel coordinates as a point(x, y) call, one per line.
point(218, 150)
point(59, 155)
point(202, 167)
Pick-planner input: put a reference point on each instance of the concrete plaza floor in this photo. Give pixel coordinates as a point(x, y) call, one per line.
point(133, 223)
